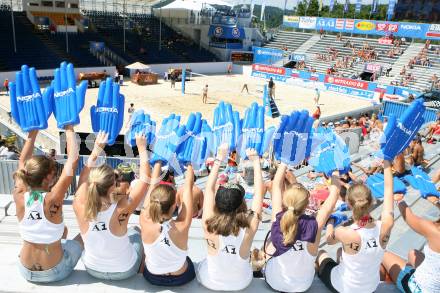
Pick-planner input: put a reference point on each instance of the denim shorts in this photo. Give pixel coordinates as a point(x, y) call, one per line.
point(72, 253)
point(136, 240)
point(170, 280)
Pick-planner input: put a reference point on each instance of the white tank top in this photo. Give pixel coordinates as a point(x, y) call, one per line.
point(226, 271)
point(163, 256)
point(105, 252)
point(360, 272)
point(292, 271)
point(427, 275)
point(34, 227)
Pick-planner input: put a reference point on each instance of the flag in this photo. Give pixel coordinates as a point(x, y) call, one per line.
point(346, 6)
point(331, 6)
point(358, 6)
point(374, 7)
point(320, 5)
point(390, 12)
point(262, 11)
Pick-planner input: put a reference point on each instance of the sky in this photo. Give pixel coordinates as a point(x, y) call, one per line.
point(292, 3)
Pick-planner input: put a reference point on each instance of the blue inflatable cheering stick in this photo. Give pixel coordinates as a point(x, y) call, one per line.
point(141, 123)
point(330, 155)
point(399, 132)
point(167, 140)
point(225, 125)
point(292, 140)
point(253, 134)
point(68, 98)
point(108, 114)
point(29, 108)
point(194, 149)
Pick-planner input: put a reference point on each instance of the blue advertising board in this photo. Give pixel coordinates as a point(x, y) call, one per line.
point(226, 32)
point(267, 56)
point(297, 57)
point(226, 45)
point(366, 27)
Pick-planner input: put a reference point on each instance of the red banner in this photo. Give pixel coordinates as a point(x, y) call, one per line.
point(269, 69)
point(358, 84)
point(385, 41)
point(387, 27)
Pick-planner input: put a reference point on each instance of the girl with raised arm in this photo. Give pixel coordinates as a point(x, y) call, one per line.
point(295, 236)
point(422, 271)
point(45, 257)
point(165, 239)
point(229, 229)
point(112, 252)
point(363, 243)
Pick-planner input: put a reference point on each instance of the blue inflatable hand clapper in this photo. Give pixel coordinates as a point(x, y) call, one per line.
point(292, 139)
point(29, 108)
point(108, 114)
point(141, 123)
point(399, 132)
point(68, 99)
point(253, 133)
point(225, 126)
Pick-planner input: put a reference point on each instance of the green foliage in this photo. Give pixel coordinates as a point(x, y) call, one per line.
point(312, 9)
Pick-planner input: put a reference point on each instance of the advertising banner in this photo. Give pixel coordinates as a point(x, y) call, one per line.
point(346, 82)
point(366, 27)
point(385, 41)
point(268, 56)
point(297, 57)
point(269, 69)
point(350, 91)
point(307, 22)
point(226, 32)
point(372, 67)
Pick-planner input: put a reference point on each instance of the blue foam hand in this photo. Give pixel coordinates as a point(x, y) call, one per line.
point(167, 140)
point(253, 134)
point(29, 108)
point(338, 218)
point(224, 126)
point(68, 98)
point(377, 185)
point(108, 114)
point(330, 154)
point(399, 132)
point(193, 150)
point(421, 181)
point(292, 143)
point(141, 123)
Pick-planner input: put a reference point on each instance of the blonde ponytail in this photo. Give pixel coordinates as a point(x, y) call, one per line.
point(100, 180)
point(162, 198)
point(35, 170)
point(360, 199)
point(296, 200)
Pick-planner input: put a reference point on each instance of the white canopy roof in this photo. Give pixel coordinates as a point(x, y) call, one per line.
point(138, 66)
point(195, 5)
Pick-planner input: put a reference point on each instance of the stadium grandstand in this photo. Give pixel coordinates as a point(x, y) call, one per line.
point(192, 148)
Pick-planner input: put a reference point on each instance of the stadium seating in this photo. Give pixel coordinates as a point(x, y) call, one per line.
point(293, 40)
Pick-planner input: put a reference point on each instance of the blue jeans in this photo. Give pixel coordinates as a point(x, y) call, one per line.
point(72, 253)
point(170, 280)
point(135, 240)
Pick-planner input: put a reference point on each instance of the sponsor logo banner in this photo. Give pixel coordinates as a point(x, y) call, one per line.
point(265, 75)
point(387, 27)
point(372, 67)
point(346, 82)
point(289, 18)
point(365, 26)
point(340, 23)
point(385, 41)
point(434, 31)
point(350, 91)
point(297, 57)
point(269, 69)
point(349, 24)
point(307, 22)
point(410, 27)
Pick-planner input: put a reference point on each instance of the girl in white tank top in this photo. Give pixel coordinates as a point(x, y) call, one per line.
point(421, 272)
point(229, 229)
point(295, 236)
point(45, 257)
point(112, 251)
point(363, 243)
point(165, 239)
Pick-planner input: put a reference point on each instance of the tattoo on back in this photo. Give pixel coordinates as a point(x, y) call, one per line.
point(210, 243)
point(53, 209)
point(36, 267)
point(122, 218)
point(354, 246)
point(385, 239)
